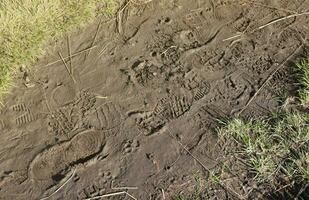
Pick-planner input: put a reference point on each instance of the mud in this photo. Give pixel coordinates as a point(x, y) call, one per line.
point(127, 112)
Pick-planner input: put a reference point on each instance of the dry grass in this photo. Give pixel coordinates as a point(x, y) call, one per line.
point(26, 27)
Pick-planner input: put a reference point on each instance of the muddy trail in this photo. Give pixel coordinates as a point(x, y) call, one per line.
point(131, 104)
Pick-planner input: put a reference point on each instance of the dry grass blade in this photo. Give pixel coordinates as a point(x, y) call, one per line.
point(123, 188)
point(67, 68)
point(140, 2)
point(268, 79)
point(271, 7)
point(281, 19)
point(52, 194)
point(111, 195)
point(95, 37)
point(268, 24)
point(72, 56)
point(185, 148)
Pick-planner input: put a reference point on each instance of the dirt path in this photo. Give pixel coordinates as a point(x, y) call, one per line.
point(126, 112)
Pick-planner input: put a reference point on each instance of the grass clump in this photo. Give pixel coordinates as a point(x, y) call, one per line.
point(275, 152)
point(266, 158)
point(26, 26)
point(304, 81)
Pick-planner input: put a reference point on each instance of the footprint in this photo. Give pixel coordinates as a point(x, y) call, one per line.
point(105, 177)
point(147, 122)
point(106, 117)
point(63, 95)
point(172, 107)
point(25, 119)
point(55, 162)
point(130, 146)
point(90, 191)
point(2, 125)
point(201, 91)
point(19, 107)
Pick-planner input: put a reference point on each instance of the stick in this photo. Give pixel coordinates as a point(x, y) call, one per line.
point(204, 167)
point(185, 148)
point(94, 38)
point(142, 3)
point(268, 79)
point(281, 19)
point(230, 38)
point(119, 16)
point(111, 195)
point(60, 186)
point(163, 194)
point(272, 7)
point(268, 24)
point(122, 188)
point(66, 66)
point(72, 56)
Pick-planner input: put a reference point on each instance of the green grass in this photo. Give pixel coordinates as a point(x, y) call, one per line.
point(27, 26)
point(276, 150)
point(277, 147)
point(304, 81)
point(273, 152)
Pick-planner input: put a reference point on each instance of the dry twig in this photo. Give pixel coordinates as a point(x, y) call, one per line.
point(66, 66)
point(268, 79)
point(111, 195)
point(72, 56)
point(60, 186)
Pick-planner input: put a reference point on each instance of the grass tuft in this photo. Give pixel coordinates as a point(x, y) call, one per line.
point(304, 81)
point(275, 149)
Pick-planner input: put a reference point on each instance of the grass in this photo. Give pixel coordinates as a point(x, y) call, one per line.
point(304, 81)
point(27, 26)
point(277, 147)
point(273, 153)
point(275, 150)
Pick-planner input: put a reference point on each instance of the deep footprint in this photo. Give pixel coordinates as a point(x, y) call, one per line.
point(56, 161)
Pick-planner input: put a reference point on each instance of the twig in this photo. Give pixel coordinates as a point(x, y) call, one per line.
point(94, 38)
point(66, 66)
point(120, 15)
point(268, 79)
point(100, 97)
point(171, 47)
point(142, 3)
point(123, 188)
point(185, 148)
point(104, 49)
point(230, 38)
point(111, 195)
point(268, 24)
point(204, 167)
point(271, 7)
point(281, 19)
point(60, 186)
point(72, 56)
point(301, 191)
point(163, 194)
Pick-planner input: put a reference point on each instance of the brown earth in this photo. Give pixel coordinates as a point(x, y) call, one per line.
point(128, 112)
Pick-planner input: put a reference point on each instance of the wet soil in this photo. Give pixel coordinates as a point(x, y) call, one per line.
point(137, 112)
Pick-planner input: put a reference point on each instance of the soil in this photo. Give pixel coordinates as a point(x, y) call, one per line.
point(138, 111)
